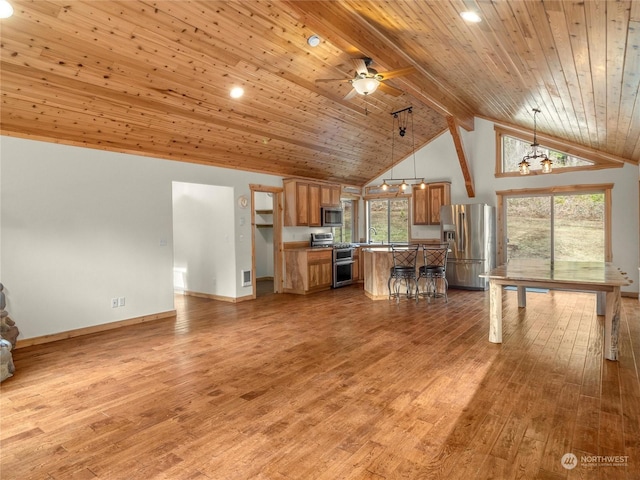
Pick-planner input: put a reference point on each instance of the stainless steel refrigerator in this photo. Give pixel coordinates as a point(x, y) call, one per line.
point(470, 231)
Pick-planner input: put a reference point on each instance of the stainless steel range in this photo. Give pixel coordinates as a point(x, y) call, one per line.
point(342, 257)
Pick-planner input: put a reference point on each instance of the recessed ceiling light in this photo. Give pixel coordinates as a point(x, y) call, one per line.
point(471, 17)
point(313, 40)
point(236, 92)
point(6, 10)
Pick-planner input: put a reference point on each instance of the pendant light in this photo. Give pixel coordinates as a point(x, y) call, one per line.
point(535, 154)
point(402, 116)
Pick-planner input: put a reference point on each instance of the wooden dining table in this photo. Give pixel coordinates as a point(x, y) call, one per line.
point(603, 278)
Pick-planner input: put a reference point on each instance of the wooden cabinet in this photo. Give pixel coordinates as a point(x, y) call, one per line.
point(330, 195)
point(314, 205)
point(357, 269)
point(307, 270)
point(301, 204)
point(427, 202)
point(319, 270)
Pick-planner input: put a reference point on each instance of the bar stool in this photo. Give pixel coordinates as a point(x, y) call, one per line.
point(434, 272)
point(403, 271)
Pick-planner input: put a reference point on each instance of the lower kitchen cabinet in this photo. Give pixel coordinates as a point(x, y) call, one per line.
point(307, 270)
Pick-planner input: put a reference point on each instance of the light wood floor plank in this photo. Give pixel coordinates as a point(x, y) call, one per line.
point(330, 386)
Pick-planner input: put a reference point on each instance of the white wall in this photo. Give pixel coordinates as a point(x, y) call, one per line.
point(438, 161)
point(81, 226)
point(203, 238)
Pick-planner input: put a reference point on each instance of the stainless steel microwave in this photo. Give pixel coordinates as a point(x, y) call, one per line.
point(331, 216)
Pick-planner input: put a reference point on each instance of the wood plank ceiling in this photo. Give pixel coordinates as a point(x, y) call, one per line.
point(153, 78)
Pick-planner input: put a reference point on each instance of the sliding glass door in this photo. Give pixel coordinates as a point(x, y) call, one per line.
point(556, 226)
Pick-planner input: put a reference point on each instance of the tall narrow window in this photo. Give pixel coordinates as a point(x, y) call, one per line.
point(345, 233)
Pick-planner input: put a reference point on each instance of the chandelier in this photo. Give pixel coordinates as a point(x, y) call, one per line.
point(402, 117)
point(535, 154)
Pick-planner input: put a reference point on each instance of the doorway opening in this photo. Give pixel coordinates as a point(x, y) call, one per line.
point(266, 238)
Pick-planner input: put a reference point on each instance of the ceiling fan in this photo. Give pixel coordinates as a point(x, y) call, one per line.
point(367, 80)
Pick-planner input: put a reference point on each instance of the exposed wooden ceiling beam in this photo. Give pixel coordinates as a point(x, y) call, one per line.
point(462, 157)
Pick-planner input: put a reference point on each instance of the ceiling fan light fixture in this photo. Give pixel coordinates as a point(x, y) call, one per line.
point(365, 85)
point(470, 16)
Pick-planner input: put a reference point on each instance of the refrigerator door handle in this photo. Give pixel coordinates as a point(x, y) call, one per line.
point(462, 241)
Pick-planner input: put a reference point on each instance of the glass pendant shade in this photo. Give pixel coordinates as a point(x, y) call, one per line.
point(365, 86)
point(523, 166)
point(546, 165)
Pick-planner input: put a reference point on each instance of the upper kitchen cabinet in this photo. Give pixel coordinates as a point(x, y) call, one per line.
point(427, 202)
point(330, 195)
point(303, 199)
point(301, 203)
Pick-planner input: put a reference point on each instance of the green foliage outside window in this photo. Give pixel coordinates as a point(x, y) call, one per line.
point(390, 220)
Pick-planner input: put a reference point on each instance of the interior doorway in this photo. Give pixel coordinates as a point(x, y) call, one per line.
point(266, 239)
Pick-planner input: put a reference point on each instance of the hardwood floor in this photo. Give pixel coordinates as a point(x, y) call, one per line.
point(331, 386)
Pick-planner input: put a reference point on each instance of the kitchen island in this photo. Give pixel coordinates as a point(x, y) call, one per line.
point(377, 261)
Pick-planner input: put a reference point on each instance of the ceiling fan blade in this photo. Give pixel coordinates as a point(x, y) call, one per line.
point(397, 73)
point(324, 80)
point(332, 80)
point(388, 89)
point(361, 66)
point(350, 95)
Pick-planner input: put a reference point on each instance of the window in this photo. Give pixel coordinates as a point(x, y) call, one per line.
point(346, 232)
point(388, 220)
point(558, 225)
point(514, 149)
point(512, 145)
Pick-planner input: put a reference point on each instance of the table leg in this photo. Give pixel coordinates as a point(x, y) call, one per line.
point(495, 312)
point(522, 296)
point(601, 303)
point(612, 324)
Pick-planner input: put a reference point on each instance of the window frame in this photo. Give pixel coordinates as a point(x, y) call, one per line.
point(354, 221)
point(393, 195)
point(600, 160)
point(605, 188)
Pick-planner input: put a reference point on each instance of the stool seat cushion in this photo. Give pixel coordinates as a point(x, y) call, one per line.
point(431, 269)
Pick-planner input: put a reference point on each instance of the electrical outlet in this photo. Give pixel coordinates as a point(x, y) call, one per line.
point(114, 303)
point(121, 301)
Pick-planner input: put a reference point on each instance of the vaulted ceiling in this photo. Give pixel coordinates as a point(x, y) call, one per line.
point(153, 78)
